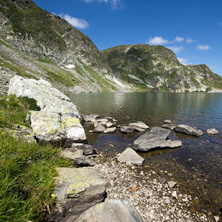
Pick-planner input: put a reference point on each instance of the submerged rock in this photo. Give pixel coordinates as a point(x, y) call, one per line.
point(189, 130)
point(130, 156)
point(77, 190)
point(111, 211)
point(155, 138)
point(58, 121)
point(126, 129)
point(212, 131)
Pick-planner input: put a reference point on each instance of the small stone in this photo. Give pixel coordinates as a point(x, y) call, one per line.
point(99, 128)
point(212, 131)
point(174, 194)
point(216, 218)
point(171, 184)
point(110, 130)
point(109, 124)
point(167, 121)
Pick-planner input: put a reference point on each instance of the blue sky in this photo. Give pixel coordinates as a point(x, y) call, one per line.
point(191, 28)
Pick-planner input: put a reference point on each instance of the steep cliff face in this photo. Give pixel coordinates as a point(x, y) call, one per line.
point(156, 68)
point(46, 36)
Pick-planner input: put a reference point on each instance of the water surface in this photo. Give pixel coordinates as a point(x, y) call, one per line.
point(197, 165)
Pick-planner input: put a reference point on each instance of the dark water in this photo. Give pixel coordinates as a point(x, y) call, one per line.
point(197, 165)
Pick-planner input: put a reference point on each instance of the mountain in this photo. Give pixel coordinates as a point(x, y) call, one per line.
point(156, 68)
point(37, 44)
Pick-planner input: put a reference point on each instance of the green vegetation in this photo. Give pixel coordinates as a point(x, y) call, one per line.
point(27, 171)
point(45, 61)
point(13, 110)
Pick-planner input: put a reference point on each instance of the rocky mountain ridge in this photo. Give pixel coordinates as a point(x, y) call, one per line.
point(37, 44)
point(156, 68)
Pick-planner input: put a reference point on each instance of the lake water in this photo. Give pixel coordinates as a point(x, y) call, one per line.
point(197, 165)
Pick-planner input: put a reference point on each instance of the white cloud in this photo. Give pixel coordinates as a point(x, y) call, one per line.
point(157, 40)
point(76, 22)
point(182, 61)
point(190, 40)
point(113, 3)
point(203, 47)
point(178, 39)
point(176, 49)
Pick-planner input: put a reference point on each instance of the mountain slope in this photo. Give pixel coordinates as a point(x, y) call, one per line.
point(37, 44)
point(156, 68)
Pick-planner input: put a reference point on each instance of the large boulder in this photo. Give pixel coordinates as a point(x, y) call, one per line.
point(155, 138)
point(130, 156)
point(58, 121)
point(77, 190)
point(111, 211)
point(189, 130)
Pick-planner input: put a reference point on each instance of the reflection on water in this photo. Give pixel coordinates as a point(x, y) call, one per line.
point(197, 165)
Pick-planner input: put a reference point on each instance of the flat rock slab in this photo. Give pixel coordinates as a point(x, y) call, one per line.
point(158, 144)
point(189, 130)
point(126, 129)
point(155, 138)
point(99, 128)
point(156, 133)
point(139, 124)
point(78, 158)
point(130, 156)
point(77, 190)
point(111, 211)
point(110, 130)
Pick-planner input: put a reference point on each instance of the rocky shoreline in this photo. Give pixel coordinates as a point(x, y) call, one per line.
point(156, 199)
point(140, 195)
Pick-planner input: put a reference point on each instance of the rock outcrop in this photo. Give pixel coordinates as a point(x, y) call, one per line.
point(111, 211)
point(155, 138)
point(58, 120)
point(77, 190)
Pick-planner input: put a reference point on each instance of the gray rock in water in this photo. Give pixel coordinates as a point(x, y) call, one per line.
point(110, 130)
point(155, 138)
point(169, 126)
point(160, 144)
point(156, 133)
point(90, 118)
point(99, 128)
point(111, 211)
point(77, 189)
point(126, 129)
point(212, 131)
point(78, 158)
point(167, 121)
point(193, 131)
point(130, 156)
point(109, 124)
point(86, 148)
point(58, 121)
point(102, 121)
point(139, 124)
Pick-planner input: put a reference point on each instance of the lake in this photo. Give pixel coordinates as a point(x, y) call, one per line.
point(197, 165)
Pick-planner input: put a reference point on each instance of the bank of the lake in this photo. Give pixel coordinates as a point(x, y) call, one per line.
point(196, 166)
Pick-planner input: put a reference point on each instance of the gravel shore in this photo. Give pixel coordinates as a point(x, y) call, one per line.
point(155, 199)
